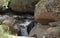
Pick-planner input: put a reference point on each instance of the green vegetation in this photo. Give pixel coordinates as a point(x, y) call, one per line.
point(4, 28)
point(4, 31)
point(4, 35)
point(4, 4)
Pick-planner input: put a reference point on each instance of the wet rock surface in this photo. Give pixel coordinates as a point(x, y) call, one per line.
point(14, 22)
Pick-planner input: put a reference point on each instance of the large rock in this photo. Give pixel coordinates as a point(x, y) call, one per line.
point(47, 10)
point(38, 31)
point(52, 32)
point(23, 5)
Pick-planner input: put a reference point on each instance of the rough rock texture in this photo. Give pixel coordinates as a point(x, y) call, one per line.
point(47, 9)
point(39, 30)
point(52, 32)
point(23, 5)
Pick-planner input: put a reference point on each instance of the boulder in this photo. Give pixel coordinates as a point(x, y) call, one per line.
point(52, 32)
point(38, 30)
point(23, 5)
point(47, 10)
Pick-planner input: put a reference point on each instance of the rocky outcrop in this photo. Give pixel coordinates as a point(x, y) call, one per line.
point(23, 5)
point(45, 31)
point(47, 9)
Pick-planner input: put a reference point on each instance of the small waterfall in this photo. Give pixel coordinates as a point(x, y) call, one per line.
point(23, 27)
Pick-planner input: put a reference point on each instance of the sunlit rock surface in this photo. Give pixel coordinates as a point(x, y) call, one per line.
point(4, 4)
